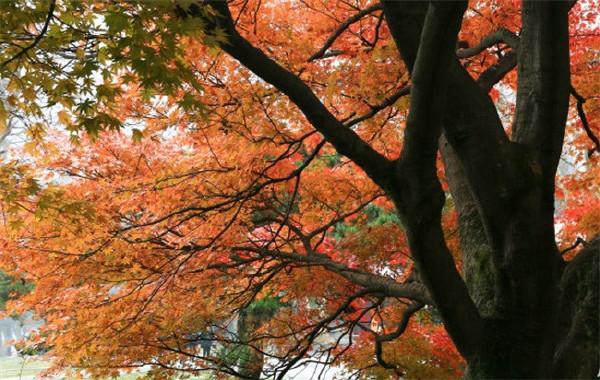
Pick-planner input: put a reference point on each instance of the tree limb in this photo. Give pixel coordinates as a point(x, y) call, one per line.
point(402, 325)
point(577, 243)
point(374, 282)
point(376, 108)
point(544, 80)
point(497, 71)
point(37, 39)
point(346, 141)
point(471, 122)
point(341, 28)
point(430, 79)
point(501, 35)
point(419, 197)
point(586, 126)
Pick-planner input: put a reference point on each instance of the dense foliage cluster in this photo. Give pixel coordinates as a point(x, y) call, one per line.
point(165, 189)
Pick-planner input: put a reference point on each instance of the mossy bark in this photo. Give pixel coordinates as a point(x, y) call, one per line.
point(251, 319)
point(478, 269)
point(577, 354)
point(251, 359)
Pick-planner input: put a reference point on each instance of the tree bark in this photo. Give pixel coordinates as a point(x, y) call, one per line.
point(478, 269)
point(514, 317)
point(503, 191)
point(251, 359)
point(577, 354)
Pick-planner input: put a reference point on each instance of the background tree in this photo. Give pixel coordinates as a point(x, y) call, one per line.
point(224, 203)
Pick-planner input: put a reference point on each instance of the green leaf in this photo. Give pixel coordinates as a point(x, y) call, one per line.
point(16, 224)
point(137, 135)
point(116, 22)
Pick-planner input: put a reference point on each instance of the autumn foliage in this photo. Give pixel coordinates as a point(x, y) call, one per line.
point(192, 191)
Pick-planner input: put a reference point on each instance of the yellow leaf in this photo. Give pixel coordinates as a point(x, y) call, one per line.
point(3, 118)
point(64, 117)
point(12, 100)
point(29, 93)
point(13, 86)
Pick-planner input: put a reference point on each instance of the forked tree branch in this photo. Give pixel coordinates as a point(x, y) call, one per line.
point(419, 197)
point(402, 325)
point(584, 121)
point(471, 122)
point(341, 28)
point(346, 141)
point(37, 39)
point(502, 35)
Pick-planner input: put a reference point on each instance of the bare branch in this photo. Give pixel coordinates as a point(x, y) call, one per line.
point(320, 326)
point(402, 325)
point(586, 126)
point(502, 35)
point(376, 108)
point(496, 72)
point(578, 242)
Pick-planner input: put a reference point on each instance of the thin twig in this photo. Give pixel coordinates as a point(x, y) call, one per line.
point(378, 107)
point(586, 126)
point(578, 242)
point(343, 26)
point(37, 39)
point(402, 325)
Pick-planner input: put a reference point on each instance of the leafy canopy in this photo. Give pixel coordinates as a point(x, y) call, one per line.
point(226, 199)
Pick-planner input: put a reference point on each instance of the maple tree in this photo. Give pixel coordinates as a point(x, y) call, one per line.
point(300, 168)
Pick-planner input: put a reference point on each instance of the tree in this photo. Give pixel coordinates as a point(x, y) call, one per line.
point(230, 207)
point(10, 286)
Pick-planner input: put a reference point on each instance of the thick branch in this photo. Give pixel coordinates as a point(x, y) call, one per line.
point(501, 35)
point(430, 79)
point(543, 75)
point(346, 141)
point(471, 123)
point(419, 197)
point(497, 71)
point(374, 282)
point(341, 28)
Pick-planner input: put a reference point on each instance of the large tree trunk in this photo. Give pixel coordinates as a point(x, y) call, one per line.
point(251, 359)
point(571, 349)
point(577, 353)
point(520, 313)
point(539, 321)
point(478, 269)
point(576, 347)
